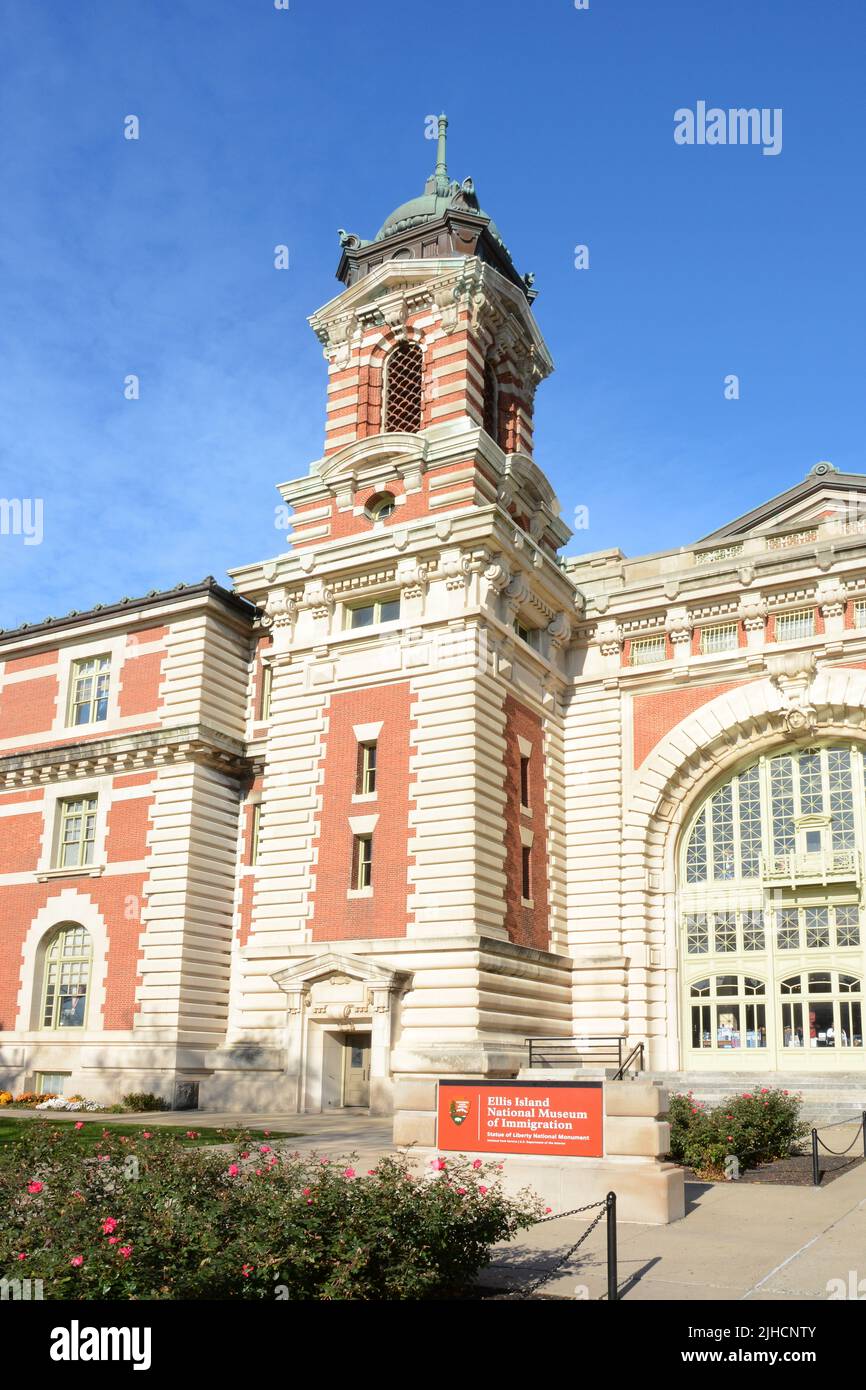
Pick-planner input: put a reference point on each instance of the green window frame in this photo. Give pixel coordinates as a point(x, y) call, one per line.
point(89, 683)
point(367, 760)
point(66, 978)
point(76, 833)
point(265, 695)
point(362, 862)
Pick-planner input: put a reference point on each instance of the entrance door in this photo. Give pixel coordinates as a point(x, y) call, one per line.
point(356, 1069)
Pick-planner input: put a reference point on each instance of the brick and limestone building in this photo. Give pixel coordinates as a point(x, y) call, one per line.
point(418, 788)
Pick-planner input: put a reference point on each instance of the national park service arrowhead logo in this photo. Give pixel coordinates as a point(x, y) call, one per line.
point(459, 1110)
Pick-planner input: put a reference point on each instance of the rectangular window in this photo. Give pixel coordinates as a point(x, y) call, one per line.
point(265, 696)
point(88, 690)
point(383, 610)
point(860, 613)
point(365, 782)
point(790, 626)
point(529, 635)
point(847, 926)
point(526, 873)
point(644, 651)
point(254, 839)
point(362, 862)
point(524, 782)
point(697, 935)
point(722, 638)
point(77, 832)
point(51, 1083)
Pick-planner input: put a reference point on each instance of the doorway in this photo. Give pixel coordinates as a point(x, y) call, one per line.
point(356, 1069)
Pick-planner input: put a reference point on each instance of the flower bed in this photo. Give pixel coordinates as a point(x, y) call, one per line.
point(149, 1218)
point(753, 1128)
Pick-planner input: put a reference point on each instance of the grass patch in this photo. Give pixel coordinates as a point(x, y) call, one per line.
point(10, 1129)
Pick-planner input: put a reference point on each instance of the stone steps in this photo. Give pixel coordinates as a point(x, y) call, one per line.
point(827, 1100)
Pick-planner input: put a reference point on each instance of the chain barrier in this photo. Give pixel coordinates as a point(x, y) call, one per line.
point(837, 1153)
point(604, 1209)
point(817, 1140)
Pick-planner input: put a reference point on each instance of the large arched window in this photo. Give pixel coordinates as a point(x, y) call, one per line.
point(785, 816)
point(772, 887)
point(66, 978)
point(403, 389)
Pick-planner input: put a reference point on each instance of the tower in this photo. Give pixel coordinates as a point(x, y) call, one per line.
point(404, 915)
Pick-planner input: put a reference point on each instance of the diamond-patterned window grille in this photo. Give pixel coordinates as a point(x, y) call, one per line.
point(754, 938)
point(817, 927)
point(403, 389)
point(847, 926)
point(697, 936)
point(725, 925)
point(788, 930)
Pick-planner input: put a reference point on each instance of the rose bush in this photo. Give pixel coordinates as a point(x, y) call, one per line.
point(147, 1218)
point(755, 1127)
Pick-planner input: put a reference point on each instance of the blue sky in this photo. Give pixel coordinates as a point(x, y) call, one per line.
point(260, 127)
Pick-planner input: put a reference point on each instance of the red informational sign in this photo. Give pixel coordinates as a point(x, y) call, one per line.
point(522, 1117)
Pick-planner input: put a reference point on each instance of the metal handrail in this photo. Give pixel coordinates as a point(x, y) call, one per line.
point(636, 1051)
point(607, 1049)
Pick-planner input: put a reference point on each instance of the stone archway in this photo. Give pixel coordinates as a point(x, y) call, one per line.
point(793, 703)
point(333, 995)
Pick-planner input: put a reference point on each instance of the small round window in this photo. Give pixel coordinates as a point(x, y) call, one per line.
point(381, 506)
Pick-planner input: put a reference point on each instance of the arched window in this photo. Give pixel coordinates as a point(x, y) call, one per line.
point(66, 978)
point(380, 507)
point(491, 401)
point(821, 1009)
point(403, 389)
point(787, 819)
point(728, 1012)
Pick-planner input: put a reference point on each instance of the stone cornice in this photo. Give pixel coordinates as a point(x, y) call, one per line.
point(125, 753)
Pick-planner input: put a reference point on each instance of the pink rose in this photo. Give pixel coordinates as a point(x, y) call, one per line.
point(264, 1149)
point(247, 1270)
point(77, 1261)
point(34, 1187)
point(109, 1225)
point(22, 1256)
point(483, 1191)
point(191, 1134)
point(477, 1163)
point(79, 1124)
point(126, 1251)
point(349, 1172)
point(437, 1164)
point(233, 1170)
point(146, 1134)
point(548, 1210)
point(113, 1240)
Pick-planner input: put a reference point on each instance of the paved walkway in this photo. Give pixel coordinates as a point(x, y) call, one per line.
point(737, 1241)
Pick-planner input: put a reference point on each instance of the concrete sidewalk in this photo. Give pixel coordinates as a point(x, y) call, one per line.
point(737, 1241)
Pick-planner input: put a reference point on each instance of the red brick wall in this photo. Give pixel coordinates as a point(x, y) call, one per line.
point(128, 824)
point(655, 715)
point(140, 678)
point(335, 916)
point(346, 523)
point(20, 842)
point(28, 707)
point(119, 900)
point(526, 926)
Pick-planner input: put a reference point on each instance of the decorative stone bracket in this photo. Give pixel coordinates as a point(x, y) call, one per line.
point(792, 674)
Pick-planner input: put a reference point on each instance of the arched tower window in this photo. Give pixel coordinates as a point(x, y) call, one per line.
point(403, 389)
point(491, 401)
point(66, 978)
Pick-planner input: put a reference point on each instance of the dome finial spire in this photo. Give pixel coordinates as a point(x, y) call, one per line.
point(441, 174)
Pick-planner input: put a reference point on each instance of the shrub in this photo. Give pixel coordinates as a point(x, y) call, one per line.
point(6, 1097)
point(144, 1100)
point(147, 1218)
point(31, 1098)
point(754, 1127)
